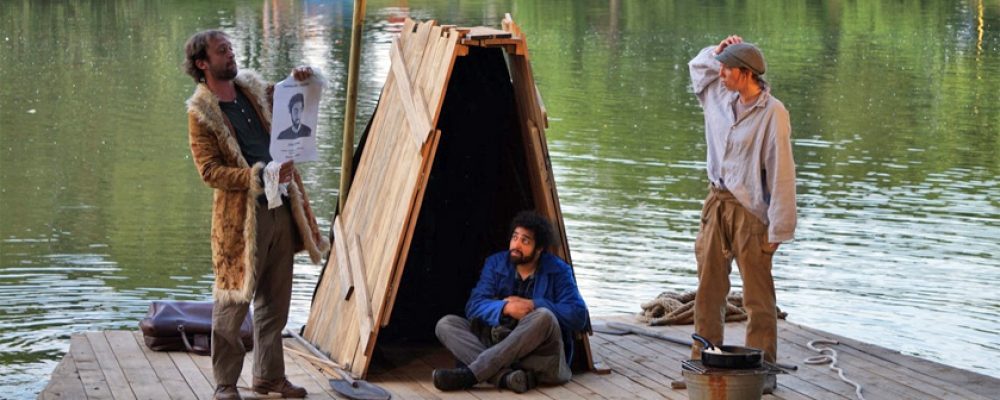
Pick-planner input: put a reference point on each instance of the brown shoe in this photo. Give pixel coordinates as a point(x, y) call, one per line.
point(283, 386)
point(226, 392)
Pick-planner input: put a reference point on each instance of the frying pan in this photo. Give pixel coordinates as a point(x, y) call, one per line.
point(617, 328)
point(733, 357)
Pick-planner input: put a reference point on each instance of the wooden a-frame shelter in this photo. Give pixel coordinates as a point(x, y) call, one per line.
point(455, 149)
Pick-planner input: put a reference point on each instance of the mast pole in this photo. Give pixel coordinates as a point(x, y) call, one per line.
point(350, 106)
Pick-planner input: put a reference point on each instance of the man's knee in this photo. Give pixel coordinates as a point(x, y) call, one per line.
point(448, 324)
point(546, 314)
point(544, 318)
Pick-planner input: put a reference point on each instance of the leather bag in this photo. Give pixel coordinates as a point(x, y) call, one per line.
point(172, 325)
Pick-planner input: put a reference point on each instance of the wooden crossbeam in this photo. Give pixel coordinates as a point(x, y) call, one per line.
point(482, 32)
point(414, 105)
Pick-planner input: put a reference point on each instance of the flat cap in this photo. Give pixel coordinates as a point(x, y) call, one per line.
point(743, 55)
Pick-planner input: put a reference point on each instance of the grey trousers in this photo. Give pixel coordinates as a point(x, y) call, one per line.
point(275, 254)
point(534, 345)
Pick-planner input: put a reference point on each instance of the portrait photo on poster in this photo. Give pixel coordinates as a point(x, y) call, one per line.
point(295, 113)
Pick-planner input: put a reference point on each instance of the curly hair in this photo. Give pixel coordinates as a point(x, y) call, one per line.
point(538, 225)
point(196, 49)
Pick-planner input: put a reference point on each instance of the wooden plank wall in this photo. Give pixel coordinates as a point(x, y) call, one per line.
point(380, 212)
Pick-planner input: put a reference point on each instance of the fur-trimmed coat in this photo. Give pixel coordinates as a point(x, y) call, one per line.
point(236, 185)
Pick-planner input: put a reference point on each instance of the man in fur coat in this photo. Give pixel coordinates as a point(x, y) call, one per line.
point(229, 123)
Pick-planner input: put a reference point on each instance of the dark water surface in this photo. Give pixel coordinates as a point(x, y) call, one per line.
point(896, 129)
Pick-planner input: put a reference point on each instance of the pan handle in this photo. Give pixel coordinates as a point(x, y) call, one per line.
point(704, 342)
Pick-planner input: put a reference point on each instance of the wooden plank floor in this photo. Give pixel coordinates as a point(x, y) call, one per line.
point(117, 365)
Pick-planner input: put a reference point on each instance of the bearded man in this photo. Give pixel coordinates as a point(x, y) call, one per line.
point(520, 317)
point(253, 246)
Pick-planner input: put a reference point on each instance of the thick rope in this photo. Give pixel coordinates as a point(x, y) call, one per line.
point(829, 355)
point(678, 309)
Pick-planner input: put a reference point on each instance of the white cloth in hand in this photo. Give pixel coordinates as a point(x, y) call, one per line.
point(273, 190)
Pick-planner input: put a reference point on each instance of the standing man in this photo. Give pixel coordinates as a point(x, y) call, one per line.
point(521, 317)
point(229, 120)
point(750, 207)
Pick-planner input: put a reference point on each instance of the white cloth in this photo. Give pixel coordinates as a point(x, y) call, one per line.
point(751, 155)
point(272, 189)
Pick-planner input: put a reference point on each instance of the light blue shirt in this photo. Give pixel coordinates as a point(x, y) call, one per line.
point(750, 154)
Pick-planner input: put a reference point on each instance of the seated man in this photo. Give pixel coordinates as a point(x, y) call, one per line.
point(521, 316)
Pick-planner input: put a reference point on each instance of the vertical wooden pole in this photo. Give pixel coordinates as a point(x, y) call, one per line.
point(350, 108)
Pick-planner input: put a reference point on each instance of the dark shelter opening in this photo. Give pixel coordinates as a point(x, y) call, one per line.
point(478, 183)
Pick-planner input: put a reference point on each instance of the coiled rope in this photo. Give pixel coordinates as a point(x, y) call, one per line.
point(829, 355)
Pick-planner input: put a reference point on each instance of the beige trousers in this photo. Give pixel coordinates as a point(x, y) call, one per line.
point(729, 231)
point(275, 253)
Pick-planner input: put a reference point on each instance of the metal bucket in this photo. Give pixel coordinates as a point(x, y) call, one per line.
point(724, 386)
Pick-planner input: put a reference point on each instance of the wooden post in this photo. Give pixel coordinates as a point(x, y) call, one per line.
point(350, 108)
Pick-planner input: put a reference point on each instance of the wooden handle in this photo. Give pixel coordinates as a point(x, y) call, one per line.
point(322, 362)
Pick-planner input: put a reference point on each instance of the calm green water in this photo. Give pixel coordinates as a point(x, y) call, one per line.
point(896, 127)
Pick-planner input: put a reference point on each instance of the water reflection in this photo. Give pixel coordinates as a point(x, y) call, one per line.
point(896, 140)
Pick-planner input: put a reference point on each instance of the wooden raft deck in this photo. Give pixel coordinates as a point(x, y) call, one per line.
point(117, 365)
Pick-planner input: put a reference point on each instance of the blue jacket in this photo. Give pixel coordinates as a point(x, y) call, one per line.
point(555, 289)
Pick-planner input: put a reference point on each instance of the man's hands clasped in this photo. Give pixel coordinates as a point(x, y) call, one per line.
point(518, 307)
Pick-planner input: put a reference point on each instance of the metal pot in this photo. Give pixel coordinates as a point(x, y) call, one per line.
point(726, 385)
point(734, 357)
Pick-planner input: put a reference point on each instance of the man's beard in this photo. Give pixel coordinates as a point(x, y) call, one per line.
point(224, 74)
point(523, 258)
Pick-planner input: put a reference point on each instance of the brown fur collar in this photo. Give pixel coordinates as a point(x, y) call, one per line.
point(204, 105)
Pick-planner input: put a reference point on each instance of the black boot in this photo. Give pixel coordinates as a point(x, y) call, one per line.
point(519, 381)
point(453, 379)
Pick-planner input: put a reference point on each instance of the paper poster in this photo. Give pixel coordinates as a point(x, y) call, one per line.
point(293, 121)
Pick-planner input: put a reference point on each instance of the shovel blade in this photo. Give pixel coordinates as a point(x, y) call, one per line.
point(360, 390)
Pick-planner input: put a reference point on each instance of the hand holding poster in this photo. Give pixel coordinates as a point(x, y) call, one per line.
point(293, 125)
